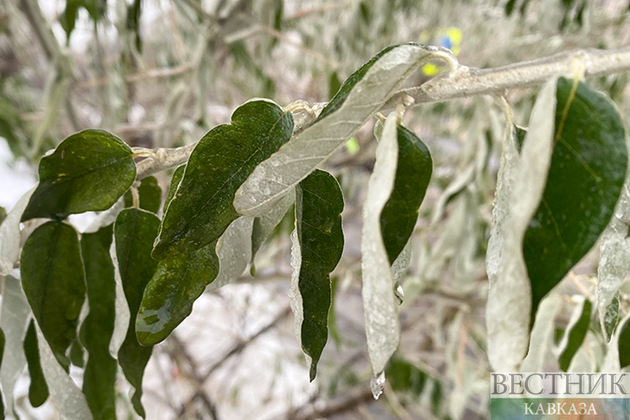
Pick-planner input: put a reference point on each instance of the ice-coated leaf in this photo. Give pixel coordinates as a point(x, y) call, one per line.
point(265, 224)
point(15, 314)
point(520, 185)
point(150, 194)
point(38, 389)
point(134, 232)
point(318, 207)
point(611, 317)
point(413, 174)
point(54, 283)
point(88, 171)
point(202, 208)
point(381, 320)
point(233, 251)
point(616, 346)
point(175, 181)
point(96, 331)
point(541, 341)
point(614, 260)
point(10, 235)
point(106, 218)
point(587, 171)
point(575, 333)
point(168, 298)
point(66, 396)
point(360, 97)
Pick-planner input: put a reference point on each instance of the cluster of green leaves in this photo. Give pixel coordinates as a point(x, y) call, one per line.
point(238, 183)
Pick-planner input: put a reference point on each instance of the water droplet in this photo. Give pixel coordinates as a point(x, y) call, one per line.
point(399, 293)
point(376, 385)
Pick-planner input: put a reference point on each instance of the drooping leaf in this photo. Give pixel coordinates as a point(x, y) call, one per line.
point(202, 207)
point(88, 171)
point(614, 262)
point(54, 283)
point(624, 344)
point(15, 315)
point(413, 174)
point(265, 224)
point(77, 354)
point(10, 235)
point(587, 171)
point(542, 335)
point(3, 214)
point(134, 10)
point(575, 333)
point(359, 98)
point(233, 251)
point(168, 298)
point(150, 195)
point(379, 304)
point(96, 331)
point(38, 389)
point(520, 184)
point(134, 232)
point(65, 395)
point(318, 207)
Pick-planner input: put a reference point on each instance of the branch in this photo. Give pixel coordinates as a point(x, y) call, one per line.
point(321, 409)
point(461, 81)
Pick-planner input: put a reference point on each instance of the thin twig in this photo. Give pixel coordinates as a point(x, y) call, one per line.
point(320, 409)
point(323, 8)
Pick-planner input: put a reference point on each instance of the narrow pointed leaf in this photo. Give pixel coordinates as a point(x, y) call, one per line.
point(134, 232)
point(38, 389)
point(318, 208)
point(54, 283)
point(542, 335)
point(77, 354)
point(611, 317)
point(587, 171)
point(233, 251)
point(88, 171)
point(168, 298)
point(359, 98)
point(96, 332)
point(11, 236)
point(150, 195)
point(624, 343)
point(15, 315)
point(202, 207)
point(2, 343)
point(575, 333)
point(379, 304)
point(413, 173)
point(65, 394)
point(520, 184)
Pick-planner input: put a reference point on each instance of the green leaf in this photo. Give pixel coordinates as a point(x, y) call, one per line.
point(134, 232)
point(413, 174)
point(611, 318)
point(588, 168)
point(3, 214)
point(169, 296)
point(134, 11)
point(11, 235)
point(54, 283)
point(360, 97)
point(99, 377)
point(624, 344)
point(403, 376)
point(202, 207)
point(38, 389)
point(318, 207)
point(234, 251)
point(519, 137)
point(88, 171)
point(574, 334)
point(150, 194)
point(77, 354)
point(175, 181)
point(2, 342)
point(266, 224)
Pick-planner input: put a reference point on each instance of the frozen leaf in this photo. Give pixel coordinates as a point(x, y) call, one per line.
point(575, 333)
point(265, 224)
point(519, 188)
point(542, 336)
point(176, 179)
point(10, 235)
point(96, 331)
point(614, 260)
point(135, 231)
point(413, 173)
point(590, 152)
point(66, 396)
point(106, 218)
point(233, 251)
point(54, 283)
point(318, 207)
point(15, 314)
point(150, 195)
point(202, 209)
point(88, 171)
point(381, 320)
point(624, 344)
point(38, 389)
point(358, 99)
point(611, 317)
point(169, 296)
